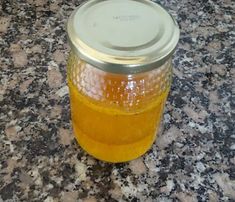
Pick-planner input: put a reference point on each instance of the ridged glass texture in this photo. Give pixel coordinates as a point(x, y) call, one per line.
point(115, 116)
point(126, 92)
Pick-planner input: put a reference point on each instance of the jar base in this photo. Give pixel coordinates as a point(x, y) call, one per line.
point(113, 153)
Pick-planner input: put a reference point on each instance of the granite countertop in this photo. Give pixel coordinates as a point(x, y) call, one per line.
point(194, 157)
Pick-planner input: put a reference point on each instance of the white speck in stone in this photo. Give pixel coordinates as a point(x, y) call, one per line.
point(182, 187)
point(202, 129)
point(81, 170)
point(200, 156)
point(178, 144)
point(49, 40)
point(197, 180)
point(50, 186)
point(217, 155)
point(36, 176)
point(200, 167)
point(200, 13)
point(170, 185)
point(131, 189)
point(191, 124)
point(52, 64)
point(115, 172)
point(167, 118)
point(157, 169)
point(18, 128)
point(232, 147)
point(62, 91)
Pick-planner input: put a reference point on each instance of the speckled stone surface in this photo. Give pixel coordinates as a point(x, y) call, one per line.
point(194, 157)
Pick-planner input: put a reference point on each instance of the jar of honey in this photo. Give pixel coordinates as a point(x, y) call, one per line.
point(119, 75)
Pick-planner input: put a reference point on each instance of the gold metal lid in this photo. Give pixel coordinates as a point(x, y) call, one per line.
point(123, 36)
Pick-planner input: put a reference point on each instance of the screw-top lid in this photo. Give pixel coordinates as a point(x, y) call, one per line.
point(123, 36)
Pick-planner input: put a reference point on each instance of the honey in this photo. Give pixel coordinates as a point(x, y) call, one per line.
point(121, 123)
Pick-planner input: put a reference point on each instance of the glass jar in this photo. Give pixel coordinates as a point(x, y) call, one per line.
point(119, 81)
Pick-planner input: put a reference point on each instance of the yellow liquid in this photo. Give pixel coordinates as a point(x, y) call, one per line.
point(114, 134)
